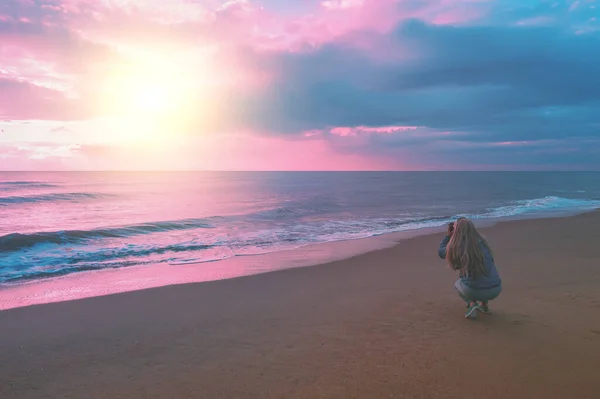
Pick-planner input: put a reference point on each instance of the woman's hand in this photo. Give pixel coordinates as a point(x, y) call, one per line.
point(450, 229)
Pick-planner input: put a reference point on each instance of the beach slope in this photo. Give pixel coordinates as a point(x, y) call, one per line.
point(386, 324)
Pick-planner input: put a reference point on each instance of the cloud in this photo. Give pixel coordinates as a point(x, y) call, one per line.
point(35, 156)
point(416, 80)
point(342, 4)
point(23, 100)
point(483, 79)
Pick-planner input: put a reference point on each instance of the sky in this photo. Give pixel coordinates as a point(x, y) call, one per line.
point(299, 85)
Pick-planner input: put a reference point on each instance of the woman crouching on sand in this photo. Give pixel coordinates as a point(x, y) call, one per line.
point(469, 253)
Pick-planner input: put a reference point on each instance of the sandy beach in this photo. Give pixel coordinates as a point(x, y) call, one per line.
point(386, 324)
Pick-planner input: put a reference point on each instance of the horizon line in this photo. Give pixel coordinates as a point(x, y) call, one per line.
point(297, 171)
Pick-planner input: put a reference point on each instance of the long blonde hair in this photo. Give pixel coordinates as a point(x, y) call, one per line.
point(465, 250)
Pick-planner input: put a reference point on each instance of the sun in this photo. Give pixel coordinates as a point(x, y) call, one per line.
point(147, 104)
point(152, 86)
point(145, 99)
point(153, 98)
point(150, 94)
point(157, 96)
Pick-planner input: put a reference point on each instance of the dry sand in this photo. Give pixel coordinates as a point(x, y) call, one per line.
point(387, 324)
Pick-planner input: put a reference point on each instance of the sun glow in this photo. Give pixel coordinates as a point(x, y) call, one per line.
point(152, 98)
point(150, 92)
point(157, 96)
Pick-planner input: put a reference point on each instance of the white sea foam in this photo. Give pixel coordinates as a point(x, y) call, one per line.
point(278, 240)
point(543, 205)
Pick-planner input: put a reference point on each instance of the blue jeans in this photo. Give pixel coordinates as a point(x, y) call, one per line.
point(469, 294)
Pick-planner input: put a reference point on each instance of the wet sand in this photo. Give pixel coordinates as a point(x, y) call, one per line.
point(386, 324)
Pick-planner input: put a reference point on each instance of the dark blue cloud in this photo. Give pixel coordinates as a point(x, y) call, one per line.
point(497, 83)
point(503, 82)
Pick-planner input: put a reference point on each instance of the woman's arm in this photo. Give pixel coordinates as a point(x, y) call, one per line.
point(442, 248)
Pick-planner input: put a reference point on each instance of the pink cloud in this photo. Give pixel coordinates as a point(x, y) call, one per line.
point(51, 7)
point(522, 143)
point(250, 151)
point(94, 151)
point(30, 157)
point(536, 21)
point(342, 131)
point(235, 22)
point(456, 143)
point(342, 4)
point(55, 57)
point(24, 100)
point(458, 16)
point(263, 153)
point(386, 129)
point(574, 5)
point(354, 131)
point(71, 38)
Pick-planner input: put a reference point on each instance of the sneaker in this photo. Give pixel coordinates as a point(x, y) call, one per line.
point(484, 308)
point(472, 311)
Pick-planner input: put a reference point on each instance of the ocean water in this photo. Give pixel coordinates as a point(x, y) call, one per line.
point(58, 223)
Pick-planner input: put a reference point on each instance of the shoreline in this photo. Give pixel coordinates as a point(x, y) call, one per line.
point(383, 324)
point(89, 284)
